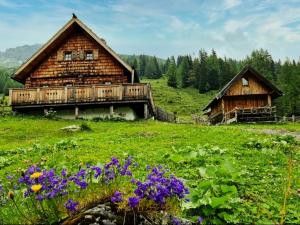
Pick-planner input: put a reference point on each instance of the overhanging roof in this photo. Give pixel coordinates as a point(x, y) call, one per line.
point(276, 91)
point(24, 70)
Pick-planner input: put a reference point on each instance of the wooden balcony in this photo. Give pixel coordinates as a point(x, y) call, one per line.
point(76, 95)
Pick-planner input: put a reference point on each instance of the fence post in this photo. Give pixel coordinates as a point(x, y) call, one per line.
point(284, 119)
point(293, 118)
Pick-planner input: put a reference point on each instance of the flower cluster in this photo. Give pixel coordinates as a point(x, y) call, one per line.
point(71, 205)
point(44, 184)
point(158, 187)
point(114, 168)
point(117, 197)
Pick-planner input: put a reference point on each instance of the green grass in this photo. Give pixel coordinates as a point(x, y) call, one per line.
point(183, 101)
point(259, 174)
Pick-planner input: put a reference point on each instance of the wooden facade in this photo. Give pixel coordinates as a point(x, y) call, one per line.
point(247, 97)
point(77, 67)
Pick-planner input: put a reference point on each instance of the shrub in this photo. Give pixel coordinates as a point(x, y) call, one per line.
point(85, 127)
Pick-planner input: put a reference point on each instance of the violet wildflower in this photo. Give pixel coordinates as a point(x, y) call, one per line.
point(117, 197)
point(64, 172)
point(133, 202)
point(71, 205)
point(97, 171)
point(175, 221)
point(200, 220)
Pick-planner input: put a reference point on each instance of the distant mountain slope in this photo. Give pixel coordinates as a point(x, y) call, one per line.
point(13, 57)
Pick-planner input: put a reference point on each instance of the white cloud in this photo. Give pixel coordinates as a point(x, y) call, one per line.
point(231, 3)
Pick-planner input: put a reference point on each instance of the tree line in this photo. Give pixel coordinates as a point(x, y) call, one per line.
point(5, 81)
point(208, 71)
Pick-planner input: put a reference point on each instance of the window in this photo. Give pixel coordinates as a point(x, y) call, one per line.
point(68, 56)
point(245, 82)
point(89, 55)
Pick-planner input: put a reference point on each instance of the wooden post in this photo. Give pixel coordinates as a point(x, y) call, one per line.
point(66, 94)
point(269, 101)
point(284, 118)
point(38, 96)
point(10, 97)
point(132, 76)
point(76, 112)
point(293, 118)
point(111, 110)
point(93, 93)
point(145, 111)
point(223, 109)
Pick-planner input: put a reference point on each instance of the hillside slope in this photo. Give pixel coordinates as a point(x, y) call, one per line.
point(183, 101)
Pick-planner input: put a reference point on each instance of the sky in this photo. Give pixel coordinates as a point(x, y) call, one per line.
point(162, 27)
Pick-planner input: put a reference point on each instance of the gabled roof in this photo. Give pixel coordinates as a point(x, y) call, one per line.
point(276, 91)
point(36, 58)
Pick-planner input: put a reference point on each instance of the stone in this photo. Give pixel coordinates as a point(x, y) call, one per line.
point(72, 128)
point(108, 222)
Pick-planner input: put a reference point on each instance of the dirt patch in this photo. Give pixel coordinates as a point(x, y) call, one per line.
point(278, 132)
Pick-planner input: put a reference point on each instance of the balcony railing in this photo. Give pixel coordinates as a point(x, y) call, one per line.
point(79, 94)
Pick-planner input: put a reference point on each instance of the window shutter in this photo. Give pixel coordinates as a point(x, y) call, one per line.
point(60, 55)
point(95, 54)
point(74, 55)
point(81, 55)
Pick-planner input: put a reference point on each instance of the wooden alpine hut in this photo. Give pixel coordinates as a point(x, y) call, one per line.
point(77, 75)
point(246, 98)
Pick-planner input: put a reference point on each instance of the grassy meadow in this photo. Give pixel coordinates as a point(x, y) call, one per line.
point(183, 101)
point(234, 175)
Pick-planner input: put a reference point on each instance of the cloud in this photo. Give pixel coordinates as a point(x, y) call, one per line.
point(231, 3)
point(164, 28)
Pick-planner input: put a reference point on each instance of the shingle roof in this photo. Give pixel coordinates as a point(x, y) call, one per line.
point(24, 70)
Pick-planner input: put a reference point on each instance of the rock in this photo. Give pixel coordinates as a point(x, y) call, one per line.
point(108, 222)
point(106, 214)
point(72, 128)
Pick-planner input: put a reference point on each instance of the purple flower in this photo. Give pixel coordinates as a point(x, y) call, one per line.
point(64, 172)
point(9, 177)
point(200, 220)
point(133, 202)
point(39, 197)
point(175, 221)
point(117, 197)
point(81, 173)
point(71, 205)
point(97, 171)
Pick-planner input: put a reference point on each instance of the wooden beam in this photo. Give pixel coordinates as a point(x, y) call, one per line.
point(38, 96)
point(269, 100)
point(65, 94)
point(10, 97)
point(223, 108)
point(132, 76)
point(145, 111)
point(76, 112)
point(111, 110)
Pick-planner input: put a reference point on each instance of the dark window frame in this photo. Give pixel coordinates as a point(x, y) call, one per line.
point(67, 56)
point(89, 55)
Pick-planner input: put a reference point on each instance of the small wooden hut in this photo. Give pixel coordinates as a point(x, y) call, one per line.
point(247, 97)
point(77, 74)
